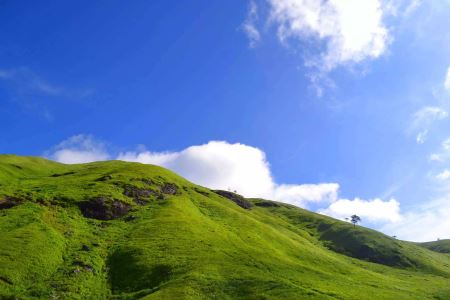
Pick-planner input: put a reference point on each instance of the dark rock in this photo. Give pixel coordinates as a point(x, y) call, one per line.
point(10, 201)
point(169, 188)
point(130, 218)
point(85, 248)
point(267, 204)
point(103, 208)
point(104, 178)
point(140, 196)
point(236, 198)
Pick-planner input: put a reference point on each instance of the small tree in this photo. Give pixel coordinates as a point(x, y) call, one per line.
point(355, 219)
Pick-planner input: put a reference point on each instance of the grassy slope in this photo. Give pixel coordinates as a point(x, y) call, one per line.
point(441, 246)
point(195, 244)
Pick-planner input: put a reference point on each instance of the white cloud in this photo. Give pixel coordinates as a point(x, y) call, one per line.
point(352, 30)
point(375, 210)
point(447, 80)
point(79, 149)
point(425, 116)
point(444, 154)
point(421, 137)
point(423, 119)
point(444, 175)
point(249, 25)
point(435, 157)
point(300, 195)
point(427, 222)
point(221, 165)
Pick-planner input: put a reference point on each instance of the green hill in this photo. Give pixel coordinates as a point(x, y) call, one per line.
point(119, 230)
point(441, 246)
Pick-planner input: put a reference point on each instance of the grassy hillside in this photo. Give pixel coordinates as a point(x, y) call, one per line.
point(117, 230)
point(441, 246)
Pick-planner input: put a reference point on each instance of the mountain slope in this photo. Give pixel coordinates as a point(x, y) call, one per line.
point(129, 231)
point(441, 246)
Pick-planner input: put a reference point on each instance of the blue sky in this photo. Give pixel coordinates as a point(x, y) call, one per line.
point(337, 107)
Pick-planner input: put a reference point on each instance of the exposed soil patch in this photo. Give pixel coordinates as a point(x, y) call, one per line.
point(169, 189)
point(236, 198)
point(103, 208)
point(10, 201)
point(63, 174)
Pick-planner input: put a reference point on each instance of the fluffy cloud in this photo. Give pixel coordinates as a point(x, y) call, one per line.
point(427, 222)
point(444, 175)
point(221, 165)
point(249, 26)
point(375, 210)
point(352, 30)
point(79, 149)
point(447, 80)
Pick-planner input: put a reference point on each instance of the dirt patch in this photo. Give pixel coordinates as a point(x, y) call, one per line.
point(103, 208)
point(236, 198)
point(10, 201)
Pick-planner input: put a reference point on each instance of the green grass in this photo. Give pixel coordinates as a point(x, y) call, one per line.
point(194, 244)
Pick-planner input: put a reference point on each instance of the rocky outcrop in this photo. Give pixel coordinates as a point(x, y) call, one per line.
point(103, 208)
point(236, 198)
point(169, 189)
point(140, 196)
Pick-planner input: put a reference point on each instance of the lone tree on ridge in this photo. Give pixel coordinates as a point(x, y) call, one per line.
point(355, 219)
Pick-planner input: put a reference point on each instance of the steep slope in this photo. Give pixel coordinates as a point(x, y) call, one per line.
point(130, 231)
